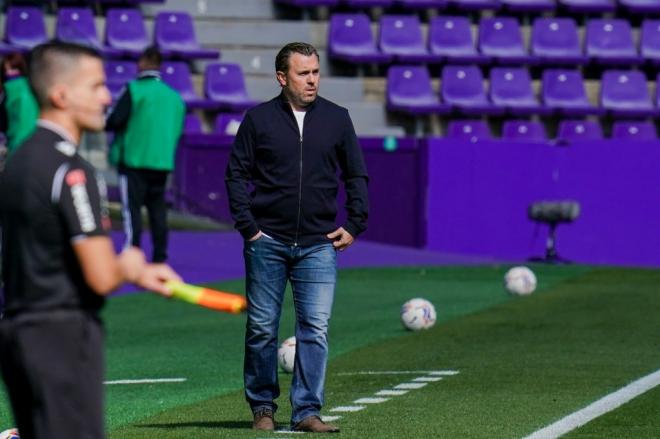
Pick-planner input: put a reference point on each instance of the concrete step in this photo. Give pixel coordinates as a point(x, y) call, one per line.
point(203, 9)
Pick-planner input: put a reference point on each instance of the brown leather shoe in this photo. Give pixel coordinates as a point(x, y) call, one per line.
point(264, 419)
point(314, 424)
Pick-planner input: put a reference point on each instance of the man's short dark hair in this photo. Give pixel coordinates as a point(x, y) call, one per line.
point(151, 57)
point(50, 59)
point(282, 58)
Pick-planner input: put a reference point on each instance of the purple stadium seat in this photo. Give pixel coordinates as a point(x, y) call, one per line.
point(529, 5)
point(563, 91)
point(501, 39)
point(476, 5)
point(588, 6)
point(610, 41)
point(421, 4)
point(174, 34)
point(409, 90)
point(309, 3)
point(625, 93)
point(556, 41)
point(401, 37)
point(125, 32)
point(649, 41)
point(117, 74)
point(76, 25)
point(25, 27)
point(468, 130)
point(359, 4)
point(462, 88)
point(634, 130)
point(224, 84)
point(573, 130)
point(451, 38)
point(641, 6)
point(350, 39)
point(227, 124)
point(177, 75)
point(524, 130)
point(192, 124)
point(511, 89)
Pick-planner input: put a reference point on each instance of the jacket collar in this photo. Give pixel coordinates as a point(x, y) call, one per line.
point(149, 74)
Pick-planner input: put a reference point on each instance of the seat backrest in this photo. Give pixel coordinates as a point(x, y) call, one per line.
point(624, 89)
point(399, 33)
point(500, 36)
point(25, 26)
point(450, 34)
point(649, 40)
point(528, 130)
point(192, 124)
point(350, 32)
point(468, 130)
point(609, 36)
point(76, 25)
point(555, 36)
point(177, 75)
point(510, 84)
point(634, 130)
point(227, 123)
point(579, 130)
point(174, 30)
point(410, 84)
point(224, 81)
point(462, 83)
point(125, 29)
point(118, 73)
point(563, 87)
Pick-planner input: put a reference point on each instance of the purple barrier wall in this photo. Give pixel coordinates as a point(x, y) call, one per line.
point(478, 194)
point(396, 188)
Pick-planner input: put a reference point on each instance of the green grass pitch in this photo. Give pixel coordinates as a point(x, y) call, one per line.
point(522, 363)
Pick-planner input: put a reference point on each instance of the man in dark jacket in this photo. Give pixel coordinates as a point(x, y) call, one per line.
point(289, 150)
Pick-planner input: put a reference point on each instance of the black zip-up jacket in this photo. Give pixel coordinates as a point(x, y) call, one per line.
point(293, 177)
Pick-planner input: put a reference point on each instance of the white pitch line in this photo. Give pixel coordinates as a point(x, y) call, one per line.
point(427, 379)
point(400, 372)
point(391, 392)
point(409, 386)
point(444, 372)
point(348, 408)
point(598, 408)
point(370, 400)
point(147, 381)
point(330, 418)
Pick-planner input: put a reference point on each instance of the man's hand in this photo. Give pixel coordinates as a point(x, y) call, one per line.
point(341, 239)
point(154, 276)
point(257, 236)
point(131, 263)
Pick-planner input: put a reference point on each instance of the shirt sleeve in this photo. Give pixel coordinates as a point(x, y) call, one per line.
point(80, 202)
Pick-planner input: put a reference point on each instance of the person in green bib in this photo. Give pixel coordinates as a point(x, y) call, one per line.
point(19, 110)
point(147, 121)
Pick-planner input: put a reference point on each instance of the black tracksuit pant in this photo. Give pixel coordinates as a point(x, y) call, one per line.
point(145, 187)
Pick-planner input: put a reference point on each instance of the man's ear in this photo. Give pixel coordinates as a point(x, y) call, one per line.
point(58, 96)
point(281, 78)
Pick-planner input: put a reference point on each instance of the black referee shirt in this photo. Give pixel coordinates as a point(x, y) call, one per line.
point(49, 198)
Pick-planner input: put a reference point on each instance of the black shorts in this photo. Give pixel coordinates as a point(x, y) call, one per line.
point(52, 365)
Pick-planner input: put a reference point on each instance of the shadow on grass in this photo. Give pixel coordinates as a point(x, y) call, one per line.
point(201, 424)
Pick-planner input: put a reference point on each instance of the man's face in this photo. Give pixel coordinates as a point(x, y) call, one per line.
point(301, 82)
point(87, 95)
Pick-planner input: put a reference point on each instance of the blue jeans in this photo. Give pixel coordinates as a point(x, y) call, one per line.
point(312, 272)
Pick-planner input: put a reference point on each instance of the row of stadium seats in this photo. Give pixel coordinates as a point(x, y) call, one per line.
point(500, 41)
point(88, 2)
point(576, 6)
point(224, 83)
point(125, 32)
point(568, 131)
point(623, 93)
point(225, 124)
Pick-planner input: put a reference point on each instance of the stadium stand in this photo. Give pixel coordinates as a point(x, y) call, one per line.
point(174, 35)
point(451, 38)
point(118, 73)
point(192, 124)
point(468, 130)
point(125, 32)
point(177, 75)
point(409, 90)
point(556, 41)
point(610, 41)
point(524, 130)
point(625, 94)
point(564, 92)
point(574, 130)
point(224, 84)
point(511, 89)
point(25, 27)
point(401, 37)
point(350, 39)
point(500, 38)
point(463, 89)
point(634, 130)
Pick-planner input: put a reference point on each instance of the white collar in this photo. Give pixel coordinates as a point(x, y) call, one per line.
point(57, 129)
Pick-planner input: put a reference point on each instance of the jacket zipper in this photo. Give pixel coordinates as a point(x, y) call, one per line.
point(295, 241)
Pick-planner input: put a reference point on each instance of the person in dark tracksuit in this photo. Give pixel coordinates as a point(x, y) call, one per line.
point(148, 121)
point(289, 150)
point(58, 261)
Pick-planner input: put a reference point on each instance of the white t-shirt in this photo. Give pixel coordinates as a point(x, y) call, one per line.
point(300, 118)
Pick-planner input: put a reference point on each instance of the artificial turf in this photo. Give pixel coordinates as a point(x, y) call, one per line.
point(523, 362)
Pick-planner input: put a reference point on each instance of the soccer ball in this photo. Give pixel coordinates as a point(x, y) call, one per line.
point(286, 354)
point(12, 433)
point(417, 314)
point(520, 281)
